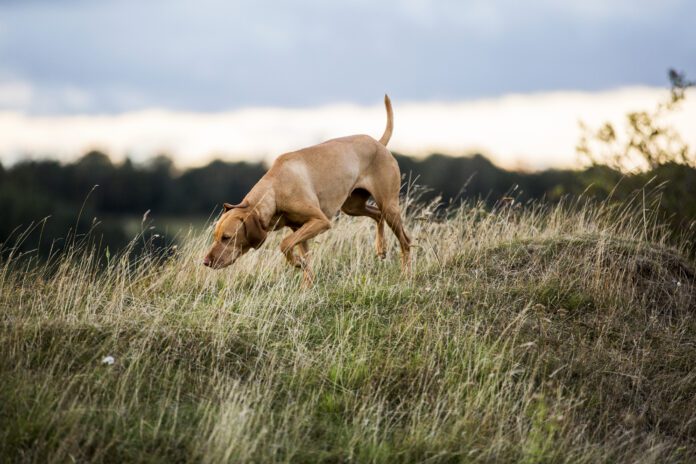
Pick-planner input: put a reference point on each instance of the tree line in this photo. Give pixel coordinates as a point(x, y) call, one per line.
point(93, 189)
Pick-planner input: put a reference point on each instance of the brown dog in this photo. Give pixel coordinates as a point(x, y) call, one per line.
point(305, 188)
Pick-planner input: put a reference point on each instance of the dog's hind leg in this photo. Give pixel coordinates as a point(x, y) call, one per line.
point(392, 214)
point(356, 205)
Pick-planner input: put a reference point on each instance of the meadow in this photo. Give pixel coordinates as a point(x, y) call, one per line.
point(524, 333)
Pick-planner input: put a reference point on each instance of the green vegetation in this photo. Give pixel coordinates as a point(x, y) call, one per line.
point(552, 321)
point(560, 333)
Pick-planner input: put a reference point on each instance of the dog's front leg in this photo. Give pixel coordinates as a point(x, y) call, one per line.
point(307, 275)
point(296, 260)
point(309, 229)
point(302, 262)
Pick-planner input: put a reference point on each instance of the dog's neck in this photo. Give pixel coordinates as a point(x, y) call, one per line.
point(261, 199)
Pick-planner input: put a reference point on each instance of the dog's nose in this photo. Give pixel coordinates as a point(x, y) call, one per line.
point(207, 261)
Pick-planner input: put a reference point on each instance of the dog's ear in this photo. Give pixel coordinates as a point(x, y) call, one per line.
point(255, 233)
point(229, 206)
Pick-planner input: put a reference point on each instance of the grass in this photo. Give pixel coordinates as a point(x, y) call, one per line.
point(538, 334)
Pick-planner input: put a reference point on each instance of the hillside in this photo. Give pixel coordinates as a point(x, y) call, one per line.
point(546, 334)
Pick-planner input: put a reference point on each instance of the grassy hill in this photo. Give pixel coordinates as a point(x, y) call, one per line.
point(538, 334)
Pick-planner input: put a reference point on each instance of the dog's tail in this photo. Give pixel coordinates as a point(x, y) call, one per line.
point(390, 122)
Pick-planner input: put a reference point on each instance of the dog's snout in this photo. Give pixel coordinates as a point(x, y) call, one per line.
point(207, 261)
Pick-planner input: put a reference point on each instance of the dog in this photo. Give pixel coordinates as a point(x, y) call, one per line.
point(304, 189)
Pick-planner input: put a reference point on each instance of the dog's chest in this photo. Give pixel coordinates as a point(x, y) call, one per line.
point(280, 220)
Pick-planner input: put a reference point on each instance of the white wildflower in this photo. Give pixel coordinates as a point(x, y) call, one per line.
point(108, 360)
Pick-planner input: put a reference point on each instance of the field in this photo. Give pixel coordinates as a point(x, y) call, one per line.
point(541, 333)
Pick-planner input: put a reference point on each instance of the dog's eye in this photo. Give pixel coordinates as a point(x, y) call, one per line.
point(226, 238)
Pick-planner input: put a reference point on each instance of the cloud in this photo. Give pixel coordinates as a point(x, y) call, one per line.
point(214, 55)
point(15, 94)
point(621, 9)
point(517, 131)
point(21, 95)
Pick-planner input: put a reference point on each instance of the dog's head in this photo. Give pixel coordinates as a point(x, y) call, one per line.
point(238, 230)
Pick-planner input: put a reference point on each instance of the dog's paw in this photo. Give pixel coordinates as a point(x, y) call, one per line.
point(298, 262)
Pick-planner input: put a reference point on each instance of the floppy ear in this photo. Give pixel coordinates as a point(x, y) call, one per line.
point(255, 233)
point(229, 206)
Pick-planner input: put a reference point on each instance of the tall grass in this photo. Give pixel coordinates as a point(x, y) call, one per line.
point(539, 334)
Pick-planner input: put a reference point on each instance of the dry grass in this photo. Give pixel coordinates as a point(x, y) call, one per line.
point(539, 334)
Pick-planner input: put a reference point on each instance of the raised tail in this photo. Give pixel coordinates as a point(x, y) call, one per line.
point(390, 122)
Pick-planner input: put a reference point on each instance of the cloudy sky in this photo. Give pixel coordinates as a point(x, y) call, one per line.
point(72, 69)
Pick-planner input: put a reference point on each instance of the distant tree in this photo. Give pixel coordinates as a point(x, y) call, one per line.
point(161, 164)
point(649, 141)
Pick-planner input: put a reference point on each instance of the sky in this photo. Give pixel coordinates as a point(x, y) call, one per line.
point(164, 75)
